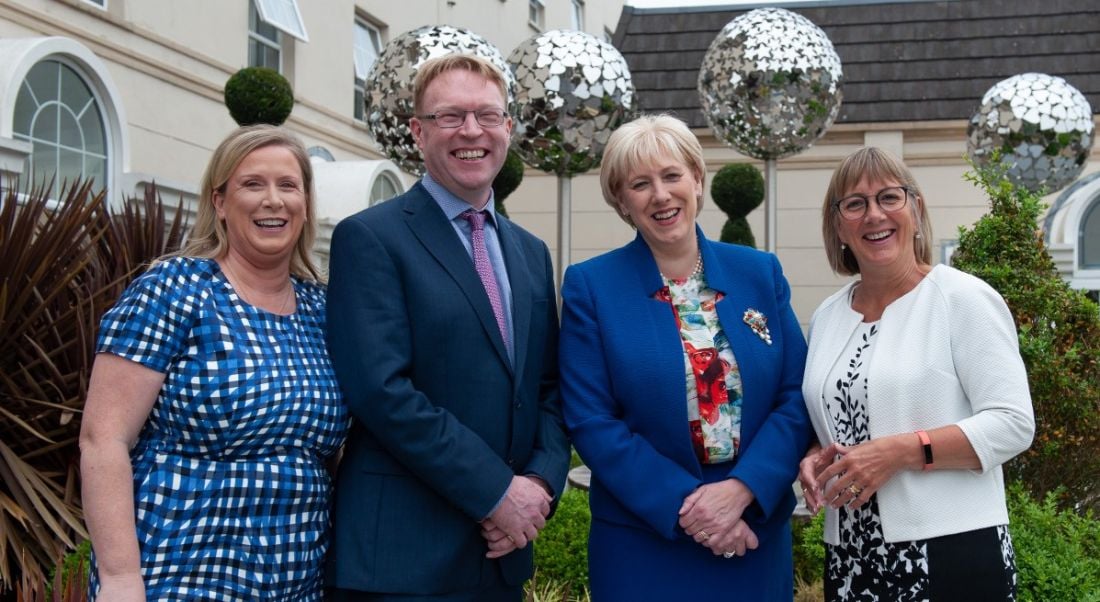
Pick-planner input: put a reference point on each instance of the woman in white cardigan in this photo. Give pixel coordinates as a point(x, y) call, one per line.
point(917, 392)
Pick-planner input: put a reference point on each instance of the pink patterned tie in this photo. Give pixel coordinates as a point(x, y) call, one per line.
point(485, 268)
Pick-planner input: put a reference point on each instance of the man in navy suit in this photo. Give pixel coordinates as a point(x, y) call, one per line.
point(442, 327)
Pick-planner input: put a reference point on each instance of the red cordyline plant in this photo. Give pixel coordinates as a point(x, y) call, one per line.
point(64, 259)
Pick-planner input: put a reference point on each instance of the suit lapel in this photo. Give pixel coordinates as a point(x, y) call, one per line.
point(437, 235)
point(519, 278)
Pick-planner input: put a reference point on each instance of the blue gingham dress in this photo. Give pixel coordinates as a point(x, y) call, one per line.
point(230, 486)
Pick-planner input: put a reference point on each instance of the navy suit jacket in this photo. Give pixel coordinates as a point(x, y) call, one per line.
point(622, 363)
point(442, 419)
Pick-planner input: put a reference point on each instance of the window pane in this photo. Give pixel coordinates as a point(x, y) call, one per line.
point(43, 162)
point(283, 15)
point(45, 124)
point(69, 134)
point(359, 101)
point(95, 140)
point(366, 50)
point(42, 79)
point(70, 166)
point(1090, 237)
point(74, 92)
point(25, 107)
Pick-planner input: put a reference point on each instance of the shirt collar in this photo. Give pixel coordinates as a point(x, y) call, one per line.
point(451, 205)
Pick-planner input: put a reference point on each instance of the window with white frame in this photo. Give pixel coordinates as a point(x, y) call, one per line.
point(578, 15)
point(265, 43)
point(536, 14)
point(367, 47)
point(57, 112)
point(284, 16)
point(385, 187)
point(1089, 237)
point(97, 3)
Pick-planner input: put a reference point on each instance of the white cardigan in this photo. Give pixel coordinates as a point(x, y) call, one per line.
point(946, 352)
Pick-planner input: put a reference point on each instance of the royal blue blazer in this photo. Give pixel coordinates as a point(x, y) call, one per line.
point(623, 379)
point(442, 419)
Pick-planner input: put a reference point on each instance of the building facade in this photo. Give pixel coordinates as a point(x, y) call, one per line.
point(131, 91)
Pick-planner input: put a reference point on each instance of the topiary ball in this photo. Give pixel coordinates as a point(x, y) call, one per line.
point(507, 180)
point(258, 95)
point(737, 189)
point(737, 231)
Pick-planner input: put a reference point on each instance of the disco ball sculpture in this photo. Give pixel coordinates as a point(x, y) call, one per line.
point(573, 90)
point(1042, 127)
point(388, 97)
point(770, 83)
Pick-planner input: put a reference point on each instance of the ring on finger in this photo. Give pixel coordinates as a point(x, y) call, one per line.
point(705, 535)
point(855, 490)
point(510, 538)
point(728, 554)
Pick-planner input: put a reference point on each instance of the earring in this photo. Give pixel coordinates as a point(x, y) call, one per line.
point(843, 247)
point(919, 236)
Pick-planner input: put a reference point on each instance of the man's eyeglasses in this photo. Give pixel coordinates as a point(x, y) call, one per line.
point(486, 118)
point(889, 199)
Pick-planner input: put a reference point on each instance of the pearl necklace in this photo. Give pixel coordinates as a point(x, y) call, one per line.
point(695, 272)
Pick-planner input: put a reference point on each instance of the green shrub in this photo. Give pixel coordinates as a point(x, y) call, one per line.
point(258, 95)
point(561, 550)
point(809, 547)
point(737, 189)
point(1059, 331)
point(1057, 551)
point(507, 181)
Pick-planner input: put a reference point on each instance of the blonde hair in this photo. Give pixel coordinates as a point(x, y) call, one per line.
point(430, 69)
point(874, 164)
point(208, 236)
point(644, 141)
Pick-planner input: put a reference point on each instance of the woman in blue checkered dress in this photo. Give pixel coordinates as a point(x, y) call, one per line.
point(212, 407)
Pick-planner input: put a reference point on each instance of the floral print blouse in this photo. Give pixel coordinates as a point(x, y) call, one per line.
point(712, 378)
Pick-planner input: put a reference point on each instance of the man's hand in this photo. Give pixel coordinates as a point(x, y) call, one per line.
point(521, 514)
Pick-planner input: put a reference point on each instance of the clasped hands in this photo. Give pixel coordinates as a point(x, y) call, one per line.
point(519, 517)
point(712, 516)
point(859, 471)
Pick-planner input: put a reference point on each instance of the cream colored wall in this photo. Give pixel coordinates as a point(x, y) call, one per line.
point(934, 151)
point(170, 60)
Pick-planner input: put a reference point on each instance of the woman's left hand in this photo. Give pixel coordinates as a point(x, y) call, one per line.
point(712, 516)
point(860, 470)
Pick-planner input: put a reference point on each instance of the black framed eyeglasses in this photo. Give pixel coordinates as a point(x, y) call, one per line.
point(486, 118)
point(889, 199)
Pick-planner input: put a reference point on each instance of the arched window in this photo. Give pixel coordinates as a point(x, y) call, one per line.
point(385, 187)
point(1089, 243)
point(59, 115)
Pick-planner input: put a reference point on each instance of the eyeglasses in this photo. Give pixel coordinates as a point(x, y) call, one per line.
point(889, 199)
point(486, 118)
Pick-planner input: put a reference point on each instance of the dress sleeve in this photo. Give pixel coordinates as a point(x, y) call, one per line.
point(985, 351)
point(150, 321)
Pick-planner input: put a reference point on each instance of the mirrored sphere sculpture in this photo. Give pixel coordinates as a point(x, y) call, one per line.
point(770, 83)
point(1042, 127)
point(388, 97)
point(572, 91)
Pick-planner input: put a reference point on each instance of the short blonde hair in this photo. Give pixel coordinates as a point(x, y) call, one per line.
point(874, 164)
point(208, 237)
point(644, 141)
point(430, 69)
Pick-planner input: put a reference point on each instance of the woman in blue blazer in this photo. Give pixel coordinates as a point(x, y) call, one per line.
point(681, 363)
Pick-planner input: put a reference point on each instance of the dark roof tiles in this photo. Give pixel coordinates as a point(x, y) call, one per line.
point(903, 61)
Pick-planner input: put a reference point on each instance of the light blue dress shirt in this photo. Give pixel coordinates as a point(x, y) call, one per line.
point(453, 207)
